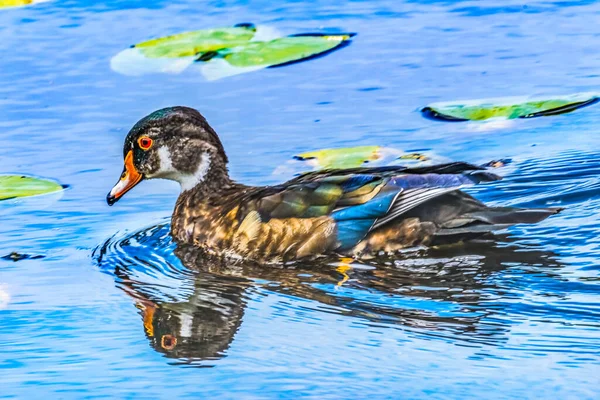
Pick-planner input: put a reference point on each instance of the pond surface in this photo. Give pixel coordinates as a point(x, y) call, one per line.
point(112, 311)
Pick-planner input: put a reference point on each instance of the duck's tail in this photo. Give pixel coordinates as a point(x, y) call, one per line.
point(461, 217)
point(495, 218)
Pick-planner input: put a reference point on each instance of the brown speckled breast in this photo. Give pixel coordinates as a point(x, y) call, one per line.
point(227, 232)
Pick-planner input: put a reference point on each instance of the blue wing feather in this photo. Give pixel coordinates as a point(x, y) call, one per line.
point(377, 207)
point(352, 231)
point(355, 222)
point(357, 181)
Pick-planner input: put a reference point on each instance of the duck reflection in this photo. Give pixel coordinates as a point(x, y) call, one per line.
point(199, 327)
point(192, 307)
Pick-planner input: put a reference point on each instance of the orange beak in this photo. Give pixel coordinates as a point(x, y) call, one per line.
point(129, 178)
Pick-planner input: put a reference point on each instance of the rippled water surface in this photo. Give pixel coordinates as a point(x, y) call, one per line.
point(114, 309)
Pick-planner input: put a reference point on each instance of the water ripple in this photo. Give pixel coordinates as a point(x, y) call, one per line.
point(474, 295)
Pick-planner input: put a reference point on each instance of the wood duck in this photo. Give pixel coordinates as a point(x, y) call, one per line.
point(358, 212)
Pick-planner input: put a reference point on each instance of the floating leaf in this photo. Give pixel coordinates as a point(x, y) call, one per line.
point(508, 107)
point(347, 157)
point(224, 52)
point(174, 53)
point(197, 42)
point(18, 3)
point(283, 51)
point(14, 186)
point(351, 157)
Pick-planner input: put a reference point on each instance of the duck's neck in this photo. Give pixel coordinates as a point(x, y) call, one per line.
point(204, 204)
point(210, 186)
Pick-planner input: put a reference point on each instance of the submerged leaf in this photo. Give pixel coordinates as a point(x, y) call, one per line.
point(508, 107)
point(14, 256)
point(14, 186)
point(414, 156)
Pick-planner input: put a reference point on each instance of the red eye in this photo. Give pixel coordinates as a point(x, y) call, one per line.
point(168, 342)
point(145, 142)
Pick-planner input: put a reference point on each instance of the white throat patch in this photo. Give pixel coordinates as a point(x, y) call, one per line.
point(187, 181)
point(167, 170)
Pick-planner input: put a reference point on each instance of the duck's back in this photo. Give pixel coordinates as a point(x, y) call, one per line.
point(354, 212)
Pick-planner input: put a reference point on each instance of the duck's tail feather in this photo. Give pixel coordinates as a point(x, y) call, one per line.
point(460, 217)
point(491, 219)
point(479, 224)
point(501, 216)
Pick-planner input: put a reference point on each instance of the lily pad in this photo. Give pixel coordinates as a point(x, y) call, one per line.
point(352, 157)
point(348, 157)
point(508, 107)
point(224, 52)
point(196, 43)
point(284, 51)
point(366, 156)
point(15, 186)
point(18, 3)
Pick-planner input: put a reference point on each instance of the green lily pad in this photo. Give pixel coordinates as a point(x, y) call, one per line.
point(353, 157)
point(283, 51)
point(365, 156)
point(15, 186)
point(508, 107)
point(224, 52)
point(196, 43)
point(347, 157)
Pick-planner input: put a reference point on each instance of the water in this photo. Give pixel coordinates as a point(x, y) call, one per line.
point(112, 311)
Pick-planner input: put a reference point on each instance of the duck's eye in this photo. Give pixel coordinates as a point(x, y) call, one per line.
point(145, 142)
point(168, 342)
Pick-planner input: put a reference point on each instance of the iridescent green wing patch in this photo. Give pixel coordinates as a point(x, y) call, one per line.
point(283, 51)
point(196, 43)
point(508, 107)
point(15, 186)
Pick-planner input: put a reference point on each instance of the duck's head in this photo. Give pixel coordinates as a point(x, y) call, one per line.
point(173, 143)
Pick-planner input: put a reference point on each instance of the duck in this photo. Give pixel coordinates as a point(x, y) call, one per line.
point(359, 213)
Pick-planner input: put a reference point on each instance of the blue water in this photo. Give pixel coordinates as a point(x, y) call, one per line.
point(518, 317)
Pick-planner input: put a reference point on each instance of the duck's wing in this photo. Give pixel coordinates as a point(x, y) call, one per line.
point(393, 170)
point(362, 199)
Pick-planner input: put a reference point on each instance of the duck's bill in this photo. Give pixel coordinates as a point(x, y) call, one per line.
point(129, 178)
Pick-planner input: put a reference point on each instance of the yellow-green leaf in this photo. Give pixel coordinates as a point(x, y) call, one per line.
point(508, 107)
point(223, 52)
point(14, 3)
point(14, 186)
point(347, 157)
point(196, 42)
point(18, 3)
point(283, 50)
